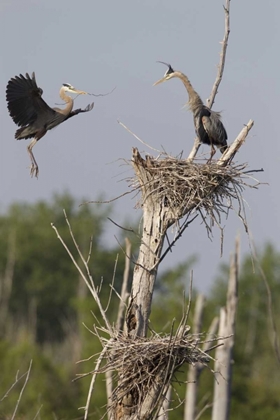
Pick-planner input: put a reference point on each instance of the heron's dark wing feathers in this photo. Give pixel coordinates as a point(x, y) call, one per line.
point(210, 128)
point(214, 129)
point(77, 111)
point(24, 100)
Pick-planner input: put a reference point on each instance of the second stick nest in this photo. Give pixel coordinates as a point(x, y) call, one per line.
point(145, 366)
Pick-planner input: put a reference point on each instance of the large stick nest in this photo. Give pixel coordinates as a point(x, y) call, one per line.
point(186, 187)
point(145, 366)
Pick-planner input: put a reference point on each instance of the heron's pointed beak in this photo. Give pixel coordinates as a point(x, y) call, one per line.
point(72, 89)
point(160, 81)
point(80, 92)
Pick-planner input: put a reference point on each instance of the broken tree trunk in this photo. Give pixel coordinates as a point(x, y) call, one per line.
point(157, 217)
point(171, 190)
point(224, 354)
point(193, 373)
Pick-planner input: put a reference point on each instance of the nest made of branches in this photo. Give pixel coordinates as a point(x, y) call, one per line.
point(144, 366)
point(185, 187)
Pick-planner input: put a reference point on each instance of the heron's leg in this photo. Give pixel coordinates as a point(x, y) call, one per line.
point(34, 169)
point(213, 151)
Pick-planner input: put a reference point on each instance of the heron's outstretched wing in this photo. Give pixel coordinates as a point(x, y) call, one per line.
point(24, 100)
point(77, 111)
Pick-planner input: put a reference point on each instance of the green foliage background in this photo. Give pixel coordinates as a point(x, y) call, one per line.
point(43, 309)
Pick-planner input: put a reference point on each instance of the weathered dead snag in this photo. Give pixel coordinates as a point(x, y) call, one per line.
point(173, 192)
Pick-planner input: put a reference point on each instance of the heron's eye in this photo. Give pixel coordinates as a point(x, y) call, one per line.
point(169, 71)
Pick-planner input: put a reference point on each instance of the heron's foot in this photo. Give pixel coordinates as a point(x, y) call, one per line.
point(213, 151)
point(34, 170)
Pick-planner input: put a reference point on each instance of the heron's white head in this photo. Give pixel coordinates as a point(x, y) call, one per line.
point(69, 88)
point(167, 75)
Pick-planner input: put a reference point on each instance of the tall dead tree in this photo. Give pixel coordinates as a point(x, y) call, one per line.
point(172, 192)
point(224, 354)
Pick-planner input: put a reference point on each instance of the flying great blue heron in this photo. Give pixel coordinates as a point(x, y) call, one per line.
point(33, 115)
point(208, 125)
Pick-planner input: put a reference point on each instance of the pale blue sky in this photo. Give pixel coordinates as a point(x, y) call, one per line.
point(99, 45)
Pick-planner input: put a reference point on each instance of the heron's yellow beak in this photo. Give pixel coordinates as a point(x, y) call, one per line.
point(160, 81)
point(80, 92)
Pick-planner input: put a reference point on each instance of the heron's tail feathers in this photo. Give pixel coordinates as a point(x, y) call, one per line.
point(223, 148)
point(24, 133)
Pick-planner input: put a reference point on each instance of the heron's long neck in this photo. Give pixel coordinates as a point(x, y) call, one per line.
point(68, 100)
point(195, 101)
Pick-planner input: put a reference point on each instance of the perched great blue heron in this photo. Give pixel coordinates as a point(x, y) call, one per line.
point(33, 114)
point(208, 125)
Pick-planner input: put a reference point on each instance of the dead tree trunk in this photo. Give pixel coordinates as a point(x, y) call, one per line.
point(156, 220)
point(170, 190)
point(190, 411)
point(193, 373)
point(223, 356)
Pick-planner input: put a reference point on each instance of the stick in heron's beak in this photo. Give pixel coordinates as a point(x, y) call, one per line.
point(80, 92)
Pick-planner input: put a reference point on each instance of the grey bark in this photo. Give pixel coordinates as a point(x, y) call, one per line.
point(156, 220)
point(224, 354)
point(163, 414)
point(193, 372)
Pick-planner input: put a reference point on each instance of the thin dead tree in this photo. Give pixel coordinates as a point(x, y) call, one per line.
point(195, 370)
point(191, 391)
point(224, 354)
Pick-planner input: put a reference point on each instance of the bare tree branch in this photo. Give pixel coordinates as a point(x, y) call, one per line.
point(218, 80)
point(163, 414)
point(38, 412)
point(124, 291)
point(138, 138)
point(120, 320)
point(235, 146)
point(221, 66)
point(17, 379)
point(92, 382)
point(87, 279)
point(203, 410)
point(22, 389)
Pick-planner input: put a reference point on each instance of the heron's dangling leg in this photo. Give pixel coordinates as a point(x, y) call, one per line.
point(34, 169)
